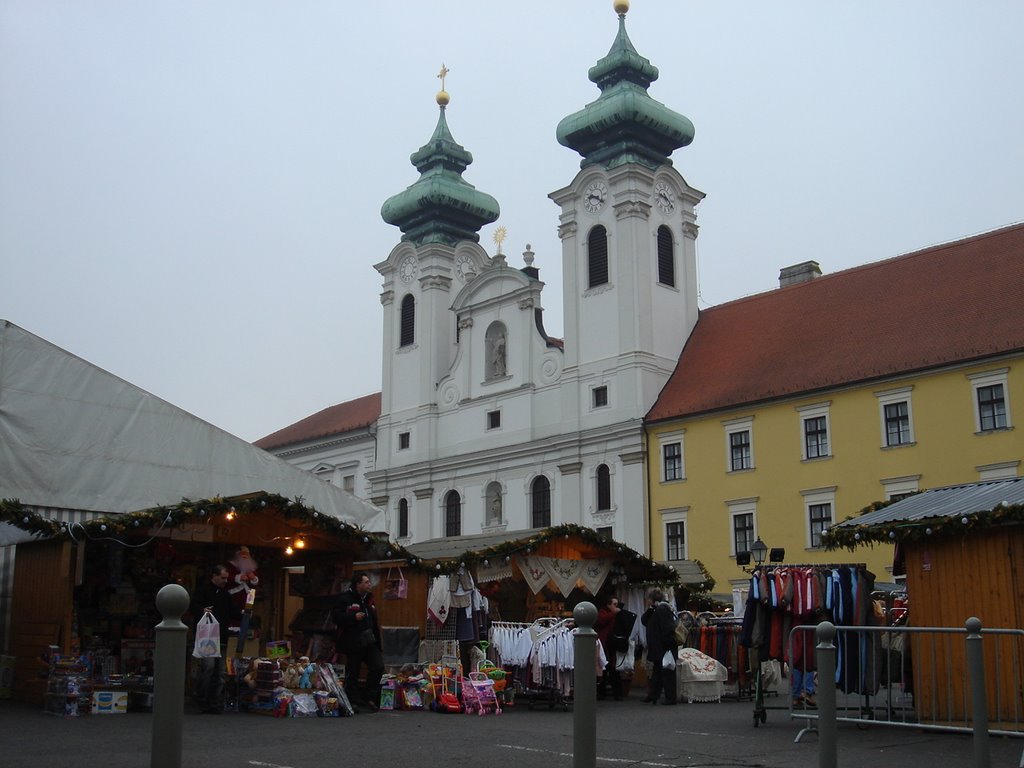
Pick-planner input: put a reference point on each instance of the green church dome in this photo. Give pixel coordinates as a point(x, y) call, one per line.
point(441, 206)
point(624, 124)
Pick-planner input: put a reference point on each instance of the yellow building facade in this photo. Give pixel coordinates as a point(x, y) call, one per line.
point(793, 410)
point(745, 473)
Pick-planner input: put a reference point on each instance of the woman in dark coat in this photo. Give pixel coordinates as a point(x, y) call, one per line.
point(660, 621)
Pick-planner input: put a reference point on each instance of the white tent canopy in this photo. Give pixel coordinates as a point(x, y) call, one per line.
point(75, 437)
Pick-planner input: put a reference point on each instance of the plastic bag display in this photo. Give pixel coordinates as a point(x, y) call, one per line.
point(396, 588)
point(207, 645)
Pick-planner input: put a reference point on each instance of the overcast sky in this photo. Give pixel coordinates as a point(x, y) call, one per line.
point(190, 191)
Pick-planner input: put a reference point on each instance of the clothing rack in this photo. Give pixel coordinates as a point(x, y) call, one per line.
point(541, 629)
point(808, 565)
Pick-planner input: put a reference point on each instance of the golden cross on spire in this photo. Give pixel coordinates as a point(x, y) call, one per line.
point(441, 75)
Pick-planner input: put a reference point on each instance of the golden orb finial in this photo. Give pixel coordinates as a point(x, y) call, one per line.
point(621, 6)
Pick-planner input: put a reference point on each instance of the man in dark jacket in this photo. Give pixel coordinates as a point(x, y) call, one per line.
point(359, 639)
point(660, 620)
point(212, 597)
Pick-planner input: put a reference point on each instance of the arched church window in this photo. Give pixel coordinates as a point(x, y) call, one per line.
point(494, 512)
point(540, 503)
point(604, 488)
point(497, 351)
point(597, 257)
point(666, 257)
point(407, 332)
point(452, 514)
point(403, 518)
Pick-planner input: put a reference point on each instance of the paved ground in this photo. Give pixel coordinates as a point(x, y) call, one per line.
point(630, 734)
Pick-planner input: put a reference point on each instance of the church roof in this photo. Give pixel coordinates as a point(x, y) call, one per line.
point(951, 303)
point(343, 417)
point(440, 206)
point(624, 124)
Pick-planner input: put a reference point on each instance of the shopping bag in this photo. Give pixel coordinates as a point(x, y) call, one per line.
point(668, 661)
point(207, 645)
point(396, 588)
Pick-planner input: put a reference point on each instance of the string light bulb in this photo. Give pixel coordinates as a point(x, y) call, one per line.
point(230, 515)
point(300, 543)
point(288, 550)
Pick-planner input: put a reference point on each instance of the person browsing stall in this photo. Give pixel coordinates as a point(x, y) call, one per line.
point(355, 615)
point(605, 628)
point(212, 596)
point(660, 621)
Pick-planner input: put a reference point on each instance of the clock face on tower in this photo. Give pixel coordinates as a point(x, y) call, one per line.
point(407, 269)
point(595, 196)
point(664, 197)
point(464, 267)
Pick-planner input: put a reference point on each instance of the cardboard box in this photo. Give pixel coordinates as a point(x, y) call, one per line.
point(109, 702)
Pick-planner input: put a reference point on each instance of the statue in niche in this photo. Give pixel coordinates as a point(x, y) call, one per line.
point(496, 367)
point(494, 508)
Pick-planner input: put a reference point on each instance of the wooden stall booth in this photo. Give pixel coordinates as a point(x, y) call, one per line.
point(961, 549)
point(87, 589)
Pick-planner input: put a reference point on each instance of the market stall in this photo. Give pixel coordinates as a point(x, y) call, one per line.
point(529, 582)
point(85, 591)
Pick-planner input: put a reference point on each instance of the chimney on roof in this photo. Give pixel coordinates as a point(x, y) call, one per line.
point(799, 273)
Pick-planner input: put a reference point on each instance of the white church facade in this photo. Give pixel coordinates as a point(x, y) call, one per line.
point(484, 423)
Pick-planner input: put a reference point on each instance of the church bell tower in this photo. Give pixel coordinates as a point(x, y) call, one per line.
point(628, 231)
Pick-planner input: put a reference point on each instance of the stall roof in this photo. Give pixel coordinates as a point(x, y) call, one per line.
point(75, 437)
point(690, 571)
point(448, 552)
point(937, 511)
point(454, 546)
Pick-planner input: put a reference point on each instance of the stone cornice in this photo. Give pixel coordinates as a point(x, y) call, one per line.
point(631, 208)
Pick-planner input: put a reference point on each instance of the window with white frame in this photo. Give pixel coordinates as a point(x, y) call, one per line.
point(604, 488)
point(896, 488)
point(742, 519)
point(991, 400)
point(675, 534)
point(675, 540)
point(814, 431)
point(819, 506)
point(895, 411)
point(1002, 470)
point(671, 456)
point(739, 448)
point(403, 518)
point(452, 514)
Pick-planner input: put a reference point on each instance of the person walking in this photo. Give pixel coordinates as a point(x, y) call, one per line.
point(355, 615)
point(213, 597)
point(660, 621)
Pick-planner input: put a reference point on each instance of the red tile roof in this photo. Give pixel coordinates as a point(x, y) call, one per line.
point(946, 304)
point(354, 414)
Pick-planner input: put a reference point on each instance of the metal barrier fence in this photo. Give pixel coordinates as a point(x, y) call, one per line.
point(914, 677)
